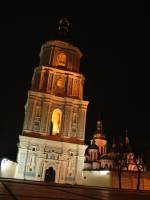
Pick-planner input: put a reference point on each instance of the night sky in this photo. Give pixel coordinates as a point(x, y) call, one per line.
point(115, 41)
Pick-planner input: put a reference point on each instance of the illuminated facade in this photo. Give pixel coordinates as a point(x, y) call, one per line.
point(96, 149)
point(97, 157)
point(100, 139)
point(51, 146)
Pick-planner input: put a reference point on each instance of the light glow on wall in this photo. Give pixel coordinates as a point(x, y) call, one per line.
point(104, 172)
point(7, 168)
point(100, 178)
point(5, 163)
point(56, 120)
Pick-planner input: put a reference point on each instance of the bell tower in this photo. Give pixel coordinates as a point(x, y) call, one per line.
point(55, 114)
point(55, 105)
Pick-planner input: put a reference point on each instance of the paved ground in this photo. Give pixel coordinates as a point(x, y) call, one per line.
point(23, 190)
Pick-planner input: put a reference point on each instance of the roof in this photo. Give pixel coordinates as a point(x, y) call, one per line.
point(91, 146)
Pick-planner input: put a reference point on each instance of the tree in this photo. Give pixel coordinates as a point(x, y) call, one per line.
point(121, 160)
point(140, 168)
point(121, 163)
point(146, 158)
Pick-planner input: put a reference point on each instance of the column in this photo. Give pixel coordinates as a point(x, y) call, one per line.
point(81, 123)
point(67, 120)
point(48, 119)
point(31, 113)
point(79, 168)
point(44, 116)
point(49, 82)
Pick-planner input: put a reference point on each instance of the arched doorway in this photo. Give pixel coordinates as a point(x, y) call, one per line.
point(50, 175)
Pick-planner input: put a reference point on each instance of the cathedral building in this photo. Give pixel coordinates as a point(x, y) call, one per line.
point(51, 146)
point(98, 158)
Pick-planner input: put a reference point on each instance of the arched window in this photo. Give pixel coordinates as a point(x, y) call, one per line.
point(56, 121)
point(61, 59)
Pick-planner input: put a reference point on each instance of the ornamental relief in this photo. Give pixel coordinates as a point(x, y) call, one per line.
point(63, 157)
point(59, 83)
point(74, 87)
point(82, 150)
point(59, 58)
point(37, 118)
point(74, 124)
point(40, 167)
point(31, 163)
point(71, 167)
point(50, 163)
point(53, 156)
point(34, 147)
point(71, 152)
point(57, 106)
point(50, 149)
point(23, 144)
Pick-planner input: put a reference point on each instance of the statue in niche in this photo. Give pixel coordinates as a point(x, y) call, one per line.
point(40, 170)
point(31, 163)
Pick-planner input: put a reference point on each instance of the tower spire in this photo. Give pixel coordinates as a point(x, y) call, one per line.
point(99, 130)
point(99, 126)
point(63, 27)
point(99, 138)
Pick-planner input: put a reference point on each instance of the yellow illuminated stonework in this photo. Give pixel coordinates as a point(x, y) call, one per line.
point(60, 83)
point(55, 117)
point(61, 59)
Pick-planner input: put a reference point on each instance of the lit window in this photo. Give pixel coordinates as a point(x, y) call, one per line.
point(56, 120)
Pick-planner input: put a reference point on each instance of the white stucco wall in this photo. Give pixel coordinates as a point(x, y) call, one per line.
point(7, 168)
point(96, 178)
point(67, 159)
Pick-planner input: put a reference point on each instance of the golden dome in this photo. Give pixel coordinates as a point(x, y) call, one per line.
point(99, 131)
